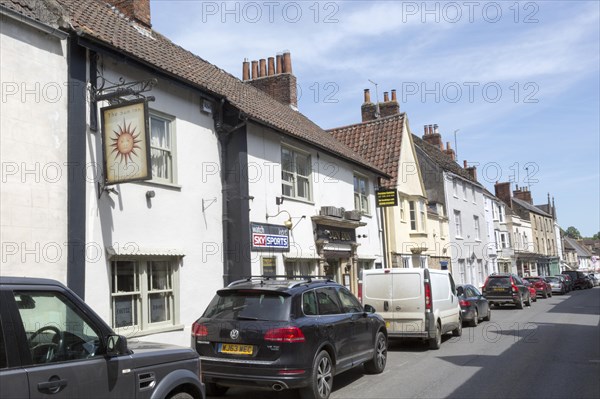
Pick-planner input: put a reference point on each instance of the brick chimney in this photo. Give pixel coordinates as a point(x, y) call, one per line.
point(274, 78)
point(368, 110)
point(433, 136)
point(138, 10)
point(503, 192)
point(389, 107)
point(471, 169)
point(523, 194)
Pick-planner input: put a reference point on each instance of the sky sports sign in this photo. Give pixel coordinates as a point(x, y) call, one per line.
point(270, 237)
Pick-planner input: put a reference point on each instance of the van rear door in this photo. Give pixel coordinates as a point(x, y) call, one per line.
point(408, 303)
point(377, 292)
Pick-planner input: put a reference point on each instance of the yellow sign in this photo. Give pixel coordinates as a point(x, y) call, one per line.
point(386, 198)
point(126, 144)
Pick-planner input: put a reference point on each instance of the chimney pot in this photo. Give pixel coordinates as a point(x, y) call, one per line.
point(263, 68)
point(287, 62)
point(394, 95)
point(271, 68)
point(254, 69)
point(367, 96)
point(279, 64)
point(425, 130)
point(386, 97)
point(435, 128)
point(465, 163)
point(245, 70)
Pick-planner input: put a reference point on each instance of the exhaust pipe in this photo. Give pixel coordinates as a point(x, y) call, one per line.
point(277, 387)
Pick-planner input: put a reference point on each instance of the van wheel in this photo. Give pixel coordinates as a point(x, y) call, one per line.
point(457, 332)
point(436, 341)
point(213, 389)
point(377, 364)
point(321, 380)
point(475, 320)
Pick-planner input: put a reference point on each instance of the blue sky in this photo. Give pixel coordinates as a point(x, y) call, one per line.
point(518, 80)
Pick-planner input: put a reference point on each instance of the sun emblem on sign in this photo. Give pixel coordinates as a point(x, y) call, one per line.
point(125, 142)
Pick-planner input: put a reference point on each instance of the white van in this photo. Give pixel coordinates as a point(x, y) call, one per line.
point(416, 303)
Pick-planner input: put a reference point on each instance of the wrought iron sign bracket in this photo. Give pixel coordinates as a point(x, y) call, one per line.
point(123, 91)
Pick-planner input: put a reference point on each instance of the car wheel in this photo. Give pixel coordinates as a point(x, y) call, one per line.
point(545, 295)
point(436, 342)
point(321, 380)
point(550, 294)
point(213, 389)
point(457, 332)
point(377, 364)
point(488, 317)
point(528, 303)
point(535, 298)
point(181, 395)
point(475, 320)
point(520, 303)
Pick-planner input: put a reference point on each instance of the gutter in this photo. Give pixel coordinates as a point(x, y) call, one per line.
point(50, 30)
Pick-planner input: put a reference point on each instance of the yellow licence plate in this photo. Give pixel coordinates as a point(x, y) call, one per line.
point(387, 324)
point(498, 289)
point(236, 349)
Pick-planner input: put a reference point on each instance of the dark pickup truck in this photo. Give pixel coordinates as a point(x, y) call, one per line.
point(53, 344)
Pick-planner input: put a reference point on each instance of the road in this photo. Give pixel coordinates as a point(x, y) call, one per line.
point(550, 350)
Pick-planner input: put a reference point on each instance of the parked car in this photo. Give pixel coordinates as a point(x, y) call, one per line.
point(532, 291)
point(579, 280)
point(286, 334)
point(473, 305)
point(542, 287)
point(556, 284)
point(594, 279)
point(415, 303)
point(567, 280)
point(503, 288)
point(53, 344)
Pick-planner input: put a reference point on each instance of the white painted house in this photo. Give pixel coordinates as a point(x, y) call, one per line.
point(33, 142)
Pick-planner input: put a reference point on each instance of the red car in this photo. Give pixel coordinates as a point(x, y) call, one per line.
point(532, 290)
point(542, 287)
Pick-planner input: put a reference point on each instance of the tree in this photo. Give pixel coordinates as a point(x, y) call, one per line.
point(596, 236)
point(572, 232)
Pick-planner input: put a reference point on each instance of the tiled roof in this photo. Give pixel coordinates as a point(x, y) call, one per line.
point(378, 141)
point(443, 160)
point(47, 12)
point(101, 22)
point(529, 207)
point(570, 243)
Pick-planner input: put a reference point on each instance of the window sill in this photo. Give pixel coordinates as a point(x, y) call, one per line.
point(459, 238)
point(301, 200)
point(417, 234)
point(132, 332)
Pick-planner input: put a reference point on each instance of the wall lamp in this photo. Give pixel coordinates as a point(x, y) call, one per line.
point(287, 223)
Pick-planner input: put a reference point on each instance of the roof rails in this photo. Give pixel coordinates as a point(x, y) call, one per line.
point(265, 278)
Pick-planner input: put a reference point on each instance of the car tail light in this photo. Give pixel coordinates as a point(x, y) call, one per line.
point(514, 288)
point(427, 295)
point(285, 334)
point(464, 303)
point(199, 330)
point(291, 372)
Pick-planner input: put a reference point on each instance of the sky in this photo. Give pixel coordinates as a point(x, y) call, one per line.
point(514, 86)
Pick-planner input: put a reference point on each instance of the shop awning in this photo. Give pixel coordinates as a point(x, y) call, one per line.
point(132, 249)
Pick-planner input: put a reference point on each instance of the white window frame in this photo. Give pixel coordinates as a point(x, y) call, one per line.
point(477, 227)
point(300, 267)
point(464, 190)
point(455, 187)
point(402, 210)
point(461, 270)
point(170, 149)
point(473, 193)
point(295, 153)
point(412, 215)
point(422, 216)
point(363, 198)
point(457, 224)
point(142, 325)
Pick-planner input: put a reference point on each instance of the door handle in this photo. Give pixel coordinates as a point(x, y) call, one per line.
point(397, 307)
point(386, 306)
point(52, 386)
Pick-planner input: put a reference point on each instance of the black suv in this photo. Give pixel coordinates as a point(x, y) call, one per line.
point(277, 334)
point(53, 344)
point(501, 288)
point(580, 281)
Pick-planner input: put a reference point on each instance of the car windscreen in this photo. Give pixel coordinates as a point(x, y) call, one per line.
point(249, 305)
point(499, 282)
point(553, 279)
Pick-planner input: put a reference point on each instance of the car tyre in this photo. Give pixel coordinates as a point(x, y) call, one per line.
point(457, 332)
point(534, 299)
point(528, 303)
point(475, 320)
point(377, 364)
point(488, 317)
point(550, 294)
point(213, 389)
point(436, 341)
point(321, 380)
point(520, 303)
point(181, 395)
point(545, 295)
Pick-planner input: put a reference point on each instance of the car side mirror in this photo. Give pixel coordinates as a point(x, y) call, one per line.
point(116, 345)
point(369, 309)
